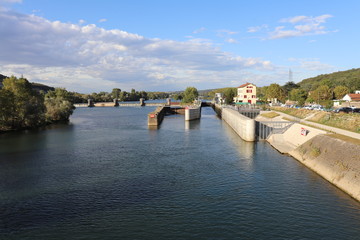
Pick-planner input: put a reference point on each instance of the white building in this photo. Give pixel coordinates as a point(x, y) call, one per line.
point(246, 94)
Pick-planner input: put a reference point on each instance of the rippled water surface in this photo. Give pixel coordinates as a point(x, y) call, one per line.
point(108, 176)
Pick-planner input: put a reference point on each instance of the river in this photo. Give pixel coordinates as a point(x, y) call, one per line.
point(106, 175)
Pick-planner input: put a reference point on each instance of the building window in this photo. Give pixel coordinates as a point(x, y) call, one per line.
point(253, 96)
point(245, 96)
point(249, 91)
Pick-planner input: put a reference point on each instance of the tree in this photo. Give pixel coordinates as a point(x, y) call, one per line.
point(340, 91)
point(28, 109)
point(299, 95)
point(58, 105)
point(321, 93)
point(7, 109)
point(229, 94)
point(275, 91)
point(115, 93)
point(190, 94)
point(178, 96)
point(289, 86)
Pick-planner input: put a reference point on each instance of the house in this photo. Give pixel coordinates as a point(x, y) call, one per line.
point(219, 98)
point(352, 97)
point(351, 100)
point(246, 94)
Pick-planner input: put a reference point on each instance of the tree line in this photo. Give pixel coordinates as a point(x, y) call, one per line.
point(22, 107)
point(120, 95)
point(321, 89)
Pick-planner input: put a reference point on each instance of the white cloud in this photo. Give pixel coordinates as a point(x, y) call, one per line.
point(307, 26)
point(89, 58)
point(10, 1)
point(231, 40)
point(202, 29)
point(257, 28)
point(102, 20)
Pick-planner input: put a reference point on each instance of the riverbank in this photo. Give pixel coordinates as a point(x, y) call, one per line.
point(335, 159)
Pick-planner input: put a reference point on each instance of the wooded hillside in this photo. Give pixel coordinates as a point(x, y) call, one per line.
point(349, 78)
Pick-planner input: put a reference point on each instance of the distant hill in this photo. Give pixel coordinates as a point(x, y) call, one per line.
point(36, 86)
point(349, 78)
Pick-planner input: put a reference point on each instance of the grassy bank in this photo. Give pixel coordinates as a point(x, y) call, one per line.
point(347, 121)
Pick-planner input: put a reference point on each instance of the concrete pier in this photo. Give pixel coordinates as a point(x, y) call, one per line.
point(155, 118)
point(192, 113)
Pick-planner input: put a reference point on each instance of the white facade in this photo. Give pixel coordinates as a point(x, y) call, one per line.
point(246, 93)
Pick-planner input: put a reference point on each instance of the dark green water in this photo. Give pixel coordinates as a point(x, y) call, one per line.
point(107, 176)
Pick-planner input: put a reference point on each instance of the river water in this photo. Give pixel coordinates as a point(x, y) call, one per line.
point(106, 175)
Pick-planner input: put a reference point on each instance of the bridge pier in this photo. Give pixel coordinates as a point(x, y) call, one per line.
point(116, 102)
point(90, 103)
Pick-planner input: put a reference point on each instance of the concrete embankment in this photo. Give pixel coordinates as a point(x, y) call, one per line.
point(242, 125)
point(336, 160)
point(293, 137)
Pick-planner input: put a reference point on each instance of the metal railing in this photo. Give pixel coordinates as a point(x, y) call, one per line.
point(265, 129)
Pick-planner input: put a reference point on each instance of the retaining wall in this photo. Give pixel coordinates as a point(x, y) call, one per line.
point(243, 126)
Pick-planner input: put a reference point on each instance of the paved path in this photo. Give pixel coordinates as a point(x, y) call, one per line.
point(321, 126)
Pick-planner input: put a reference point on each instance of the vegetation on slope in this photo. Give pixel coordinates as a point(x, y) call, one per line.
point(346, 121)
point(349, 79)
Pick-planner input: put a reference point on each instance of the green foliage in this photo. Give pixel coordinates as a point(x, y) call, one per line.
point(178, 96)
point(323, 92)
point(289, 86)
point(340, 91)
point(229, 94)
point(275, 91)
point(23, 107)
point(349, 79)
point(58, 105)
point(299, 95)
point(190, 94)
point(115, 93)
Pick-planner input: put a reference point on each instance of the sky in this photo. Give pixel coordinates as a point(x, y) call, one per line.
point(167, 45)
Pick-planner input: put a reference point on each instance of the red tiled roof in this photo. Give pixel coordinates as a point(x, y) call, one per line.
point(244, 85)
point(354, 96)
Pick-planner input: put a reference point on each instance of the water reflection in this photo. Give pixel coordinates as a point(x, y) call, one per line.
point(194, 124)
point(112, 177)
point(245, 149)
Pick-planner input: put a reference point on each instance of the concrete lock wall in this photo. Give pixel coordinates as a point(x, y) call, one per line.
point(192, 113)
point(155, 118)
point(243, 126)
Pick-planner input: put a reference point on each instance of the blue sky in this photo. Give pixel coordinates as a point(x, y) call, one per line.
point(160, 45)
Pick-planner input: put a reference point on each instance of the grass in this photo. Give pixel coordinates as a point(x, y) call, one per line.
point(346, 121)
point(299, 113)
point(345, 138)
point(270, 115)
point(315, 151)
